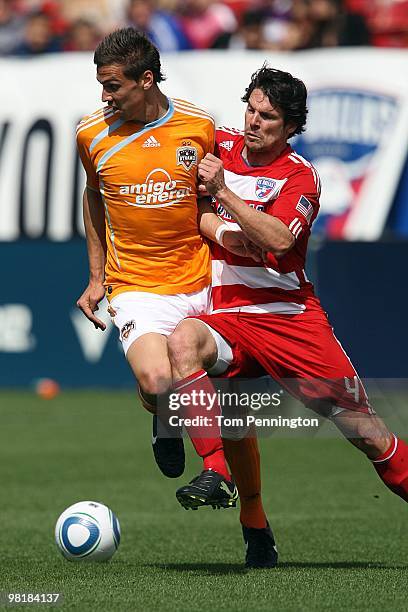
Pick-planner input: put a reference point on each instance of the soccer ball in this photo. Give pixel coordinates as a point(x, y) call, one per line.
point(87, 531)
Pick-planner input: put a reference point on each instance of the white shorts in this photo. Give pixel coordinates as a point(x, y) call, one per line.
point(139, 312)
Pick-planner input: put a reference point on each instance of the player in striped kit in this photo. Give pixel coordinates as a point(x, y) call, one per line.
point(266, 317)
point(146, 253)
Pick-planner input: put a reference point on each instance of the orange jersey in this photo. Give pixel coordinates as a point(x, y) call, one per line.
point(147, 178)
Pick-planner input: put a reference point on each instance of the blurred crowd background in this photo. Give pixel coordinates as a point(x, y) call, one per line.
point(32, 27)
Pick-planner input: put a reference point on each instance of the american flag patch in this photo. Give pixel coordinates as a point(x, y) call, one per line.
point(305, 208)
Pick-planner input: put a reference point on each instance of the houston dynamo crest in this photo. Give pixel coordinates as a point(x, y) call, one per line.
point(187, 157)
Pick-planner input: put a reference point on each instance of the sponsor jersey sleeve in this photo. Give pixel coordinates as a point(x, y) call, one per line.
point(298, 202)
point(83, 150)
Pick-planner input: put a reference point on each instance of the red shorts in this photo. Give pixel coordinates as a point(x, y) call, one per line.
point(299, 351)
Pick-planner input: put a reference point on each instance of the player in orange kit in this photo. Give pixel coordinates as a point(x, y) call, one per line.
point(146, 253)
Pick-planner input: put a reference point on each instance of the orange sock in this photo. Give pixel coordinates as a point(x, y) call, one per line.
point(244, 461)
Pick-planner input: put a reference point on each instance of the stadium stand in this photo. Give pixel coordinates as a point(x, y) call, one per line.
point(32, 27)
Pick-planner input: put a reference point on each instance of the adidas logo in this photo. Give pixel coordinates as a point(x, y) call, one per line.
point(151, 142)
point(227, 144)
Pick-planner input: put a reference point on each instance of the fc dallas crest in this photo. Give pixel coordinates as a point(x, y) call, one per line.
point(264, 187)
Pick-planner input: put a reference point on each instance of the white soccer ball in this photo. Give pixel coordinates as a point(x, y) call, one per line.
point(87, 531)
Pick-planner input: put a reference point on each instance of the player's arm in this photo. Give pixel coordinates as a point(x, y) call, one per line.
point(211, 226)
point(265, 231)
point(94, 221)
point(208, 221)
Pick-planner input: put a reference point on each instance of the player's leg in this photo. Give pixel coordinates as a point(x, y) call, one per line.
point(306, 351)
point(244, 460)
point(352, 413)
point(369, 433)
point(144, 321)
point(229, 359)
point(167, 441)
point(192, 350)
point(242, 454)
point(365, 431)
point(387, 452)
point(149, 361)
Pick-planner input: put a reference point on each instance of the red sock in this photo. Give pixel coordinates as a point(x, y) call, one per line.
point(244, 461)
point(206, 439)
point(392, 467)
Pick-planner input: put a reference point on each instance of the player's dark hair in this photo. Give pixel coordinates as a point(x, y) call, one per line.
point(131, 49)
point(284, 91)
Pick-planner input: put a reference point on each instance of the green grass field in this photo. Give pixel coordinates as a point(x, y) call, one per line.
point(342, 536)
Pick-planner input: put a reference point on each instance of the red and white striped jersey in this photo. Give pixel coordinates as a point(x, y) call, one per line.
point(288, 189)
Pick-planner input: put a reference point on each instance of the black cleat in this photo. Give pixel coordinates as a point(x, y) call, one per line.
point(208, 489)
point(168, 451)
point(261, 551)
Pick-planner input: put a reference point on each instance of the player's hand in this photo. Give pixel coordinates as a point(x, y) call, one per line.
point(88, 303)
point(239, 244)
point(211, 175)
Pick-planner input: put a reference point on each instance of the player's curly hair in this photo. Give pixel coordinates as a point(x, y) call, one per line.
point(131, 49)
point(284, 91)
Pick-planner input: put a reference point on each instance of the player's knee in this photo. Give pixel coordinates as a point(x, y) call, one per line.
point(184, 347)
point(155, 380)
